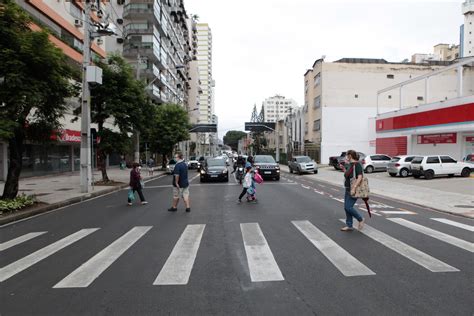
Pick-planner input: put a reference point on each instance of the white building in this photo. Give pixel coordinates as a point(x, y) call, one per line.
point(204, 57)
point(277, 107)
point(467, 37)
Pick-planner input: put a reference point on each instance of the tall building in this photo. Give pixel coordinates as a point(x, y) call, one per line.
point(204, 57)
point(468, 30)
point(277, 108)
point(156, 39)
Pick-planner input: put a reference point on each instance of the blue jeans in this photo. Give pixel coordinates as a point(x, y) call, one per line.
point(349, 202)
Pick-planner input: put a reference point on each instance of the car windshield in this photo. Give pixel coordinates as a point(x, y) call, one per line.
point(417, 160)
point(172, 162)
point(216, 162)
point(264, 159)
point(395, 159)
point(303, 159)
point(192, 158)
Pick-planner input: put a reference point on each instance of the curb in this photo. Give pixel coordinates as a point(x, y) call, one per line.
point(408, 202)
point(50, 207)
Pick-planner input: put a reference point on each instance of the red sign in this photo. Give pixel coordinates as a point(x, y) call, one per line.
point(67, 136)
point(470, 139)
point(445, 138)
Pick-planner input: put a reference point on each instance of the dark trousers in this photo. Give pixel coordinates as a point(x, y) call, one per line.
point(244, 191)
point(140, 194)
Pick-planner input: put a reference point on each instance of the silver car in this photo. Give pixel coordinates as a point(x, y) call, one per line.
point(400, 165)
point(373, 163)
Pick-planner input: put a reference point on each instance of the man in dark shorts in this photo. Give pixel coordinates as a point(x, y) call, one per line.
point(180, 184)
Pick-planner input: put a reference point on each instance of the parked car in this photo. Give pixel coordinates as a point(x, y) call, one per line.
point(400, 165)
point(214, 169)
point(170, 166)
point(336, 161)
point(470, 160)
point(434, 165)
point(373, 163)
point(302, 164)
point(267, 167)
point(193, 163)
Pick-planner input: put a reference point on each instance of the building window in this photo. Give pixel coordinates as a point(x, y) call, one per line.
point(390, 76)
point(356, 96)
point(306, 128)
point(389, 96)
point(317, 125)
point(317, 102)
point(419, 98)
point(317, 79)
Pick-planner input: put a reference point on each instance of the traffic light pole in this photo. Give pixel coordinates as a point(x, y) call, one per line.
point(86, 170)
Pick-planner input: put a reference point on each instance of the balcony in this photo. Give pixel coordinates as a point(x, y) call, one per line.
point(138, 11)
point(139, 29)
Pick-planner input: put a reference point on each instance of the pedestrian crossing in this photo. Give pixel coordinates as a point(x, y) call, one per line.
point(262, 264)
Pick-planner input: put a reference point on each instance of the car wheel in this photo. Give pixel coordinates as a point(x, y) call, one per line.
point(291, 170)
point(277, 179)
point(429, 174)
point(417, 176)
point(393, 174)
point(369, 169)
point(315, 171)
point(466, 172)
point(404, 173)
point(336, 168)
point(299, 171)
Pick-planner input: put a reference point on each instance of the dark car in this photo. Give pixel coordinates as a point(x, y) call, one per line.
point(214, 169)
point(336, 161)
point(267, 167)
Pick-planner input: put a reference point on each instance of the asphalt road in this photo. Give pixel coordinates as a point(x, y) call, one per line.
point(284, 255)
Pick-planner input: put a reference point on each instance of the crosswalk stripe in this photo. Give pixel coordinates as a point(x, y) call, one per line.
point(397, 212)
point(90, 270)
point(179, 264)
point(262, 264)
point(344, 261)
point(453, 223)
point(26, 262)
point(435, 234)
point(19, 240)
point(409, 252)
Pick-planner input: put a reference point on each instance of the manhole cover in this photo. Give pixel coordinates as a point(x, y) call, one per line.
point(65, 189)
point(464, 206)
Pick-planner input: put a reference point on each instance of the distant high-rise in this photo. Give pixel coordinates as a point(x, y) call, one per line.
point(204, 57)
point(277, 108)
point(468, 30)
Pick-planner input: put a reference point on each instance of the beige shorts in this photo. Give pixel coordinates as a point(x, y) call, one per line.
point(181, 192)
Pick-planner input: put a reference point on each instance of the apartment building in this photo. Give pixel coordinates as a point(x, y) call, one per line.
point(467, 30)
point(341, 96)
point(156, 40)
point(441, 52)
point(277, 107)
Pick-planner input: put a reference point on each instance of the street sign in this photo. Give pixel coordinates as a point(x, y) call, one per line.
point(259, 127)
point(203, 128)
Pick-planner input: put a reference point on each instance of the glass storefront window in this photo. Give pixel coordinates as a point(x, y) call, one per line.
point(46, 159)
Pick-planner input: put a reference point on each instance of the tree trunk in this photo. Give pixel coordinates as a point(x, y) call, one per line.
point(10, 190)
point(163, 162)
point(102, 157)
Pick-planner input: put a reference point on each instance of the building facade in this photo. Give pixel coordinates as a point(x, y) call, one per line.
point(467, 31)
point(277, 107)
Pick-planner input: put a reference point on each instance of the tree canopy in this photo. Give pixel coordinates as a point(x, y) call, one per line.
point(232, 138)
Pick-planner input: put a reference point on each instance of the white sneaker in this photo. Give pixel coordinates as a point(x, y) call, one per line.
point(361, 224)
point(129, 204)
point(144, 202)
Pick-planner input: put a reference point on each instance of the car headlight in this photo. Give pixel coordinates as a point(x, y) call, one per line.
point(277, 168)
point(203, 171)
point(168, 166)
point(224, 171)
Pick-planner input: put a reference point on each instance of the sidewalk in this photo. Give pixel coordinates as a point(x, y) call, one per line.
point(417, 191)
point(64, 189)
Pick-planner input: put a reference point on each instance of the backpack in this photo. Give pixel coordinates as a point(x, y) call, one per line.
point(258, 178)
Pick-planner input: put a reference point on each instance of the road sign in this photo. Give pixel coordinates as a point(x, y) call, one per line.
point(259, 127)
point(203, 128)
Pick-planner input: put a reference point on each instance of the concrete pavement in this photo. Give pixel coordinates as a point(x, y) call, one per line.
point(451, 195)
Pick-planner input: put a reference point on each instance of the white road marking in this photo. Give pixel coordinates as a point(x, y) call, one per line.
point(397, 212)
point(19, 240)
point(378, 206)
point(194, 178)
point(322, 186)
point(26, 262)
point(344, 261)
point(339, 200)
point(409, 252)
point(469, 246)
point(319, 192)
point(453, 223)
point(305, 187)
point(90, 270)
point(179, 264)
point(262, 264)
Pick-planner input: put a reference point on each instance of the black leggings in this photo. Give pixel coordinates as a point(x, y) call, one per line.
point(140, 194)
point(244, 191)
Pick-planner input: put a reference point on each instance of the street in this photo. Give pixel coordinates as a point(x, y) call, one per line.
point(284, 255)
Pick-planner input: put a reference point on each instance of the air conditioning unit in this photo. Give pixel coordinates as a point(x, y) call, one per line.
point(120, 40)
point(120, 2)
point(120, 21)
point(100, 41)
point(77, 22)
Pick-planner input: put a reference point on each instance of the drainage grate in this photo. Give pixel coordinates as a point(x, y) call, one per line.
point(464, 206)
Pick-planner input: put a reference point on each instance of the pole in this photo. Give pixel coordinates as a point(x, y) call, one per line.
point(86, 172)
point(277, 132)
point(137, 133)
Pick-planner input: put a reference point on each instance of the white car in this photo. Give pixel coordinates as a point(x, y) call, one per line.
point(373, 163)
point(436, 165)
point(400, 165)
point(170, 166)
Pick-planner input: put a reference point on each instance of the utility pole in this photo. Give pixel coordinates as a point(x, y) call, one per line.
point(86, 170)
point(137, 133)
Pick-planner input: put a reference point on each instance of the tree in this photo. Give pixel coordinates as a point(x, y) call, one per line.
point(35, 82)
point(232, 138)
point(120, 100)
point(168, 126)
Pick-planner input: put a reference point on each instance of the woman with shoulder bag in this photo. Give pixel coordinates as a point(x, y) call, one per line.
point(353, 173)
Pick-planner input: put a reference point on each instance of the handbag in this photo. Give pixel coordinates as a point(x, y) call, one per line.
point(131, 194)
point(362, 190)
point(258, 178)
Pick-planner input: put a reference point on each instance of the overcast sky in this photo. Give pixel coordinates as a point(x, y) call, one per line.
point(264, 47)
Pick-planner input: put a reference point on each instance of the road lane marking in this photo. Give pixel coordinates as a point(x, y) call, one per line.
point(398, 212)
point(339, 200)
point(179, 264)
point(322, 186)
point(344, 261)
point(194, 178)
point(469, 246)
point(409, 252)
point(453, 223)
point(336, 190)
point(19, 240)
point(26, 262)
point(262, 264)
point(305, 187)
point(90, 270)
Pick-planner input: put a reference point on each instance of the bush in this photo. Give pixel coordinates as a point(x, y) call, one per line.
point(17, 203)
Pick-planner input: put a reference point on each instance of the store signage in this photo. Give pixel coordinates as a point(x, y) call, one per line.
point(470, 139)
point(444, 138)
point(67, 136)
